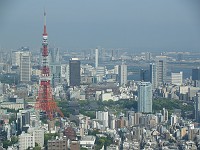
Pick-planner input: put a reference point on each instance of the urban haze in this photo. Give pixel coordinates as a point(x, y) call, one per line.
point(99, 75)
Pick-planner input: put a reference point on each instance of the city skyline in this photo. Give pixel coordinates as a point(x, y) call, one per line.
point(132, 24)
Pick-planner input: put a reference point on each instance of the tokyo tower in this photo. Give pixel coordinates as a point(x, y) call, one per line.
point(45, 101)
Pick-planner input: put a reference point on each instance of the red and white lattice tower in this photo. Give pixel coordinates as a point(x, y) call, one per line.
point(45, 101)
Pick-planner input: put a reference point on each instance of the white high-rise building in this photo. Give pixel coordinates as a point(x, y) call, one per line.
point(123, 74)
point(116, 69)
point(197, 107)
point(147, 56)
point(65, 72)
point(55, 66)
point(112, 121)
point(25, 66)
point(103, 116)
point(153, 75)
point(1, 88)
point(161, 63)
point(177, 78)
point(16, 58)
point(26, 140)
point(38, 134)
point(173, 119)
point(145, 97)
point(96, 58)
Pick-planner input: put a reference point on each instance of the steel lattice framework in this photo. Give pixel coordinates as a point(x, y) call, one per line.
point(45, 101)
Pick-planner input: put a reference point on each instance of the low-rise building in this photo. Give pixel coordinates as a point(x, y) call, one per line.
point(88, 141)
point(58, 144)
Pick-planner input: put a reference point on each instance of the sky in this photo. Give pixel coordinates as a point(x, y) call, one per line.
point(148, 25)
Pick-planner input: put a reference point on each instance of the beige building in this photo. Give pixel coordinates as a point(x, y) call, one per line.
point(26, 140)
point(75, 145)
point(38, 134)
point(177, 78)
point(12, 105)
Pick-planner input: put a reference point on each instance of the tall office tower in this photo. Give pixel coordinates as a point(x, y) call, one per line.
point(153, 75)
point(54, 55)
point(147, 56)
point(196, 74)
point(1, 88)
point(197, 107)
point(122, 74)
point(16, 58)
point(45, 101)
point(55, 66)
point(165, 114)
point(173, 119)
point(65, 73)
point(144, 75)
point(25, 66)
point(96, 58)
point(161, 63)
point(177, 78)
point(145, 97)
point(23, 119)
point(74, 72)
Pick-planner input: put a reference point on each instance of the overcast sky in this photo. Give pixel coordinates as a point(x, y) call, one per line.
point(149, 25)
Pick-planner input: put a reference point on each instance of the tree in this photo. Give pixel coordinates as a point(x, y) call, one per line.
point(14, 139)
point(6, 143)
point(49, 136)
point(37, 147)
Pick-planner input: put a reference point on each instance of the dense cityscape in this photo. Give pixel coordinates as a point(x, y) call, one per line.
point(98, 99)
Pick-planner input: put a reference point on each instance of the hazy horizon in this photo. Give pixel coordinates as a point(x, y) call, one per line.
point(155, 25)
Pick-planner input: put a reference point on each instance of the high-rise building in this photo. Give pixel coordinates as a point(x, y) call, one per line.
point(196, 74)
point(144, 75)
point(55, 66)
point(65, 73)
point(102, 116)
point(122, 74)
point(23, 120)
point(145, 97)
point(161, 63)
point(96, 58)
point(197, 107)
point(177, 78)
point(74, 72)
point(173, 119)
point(15, 55)
point(55, 74)
point(25, 66)
point(147, 56)
point(54, 55)
point(26, 140)
point(153, 75)
point(38, 134)
point(16, 58)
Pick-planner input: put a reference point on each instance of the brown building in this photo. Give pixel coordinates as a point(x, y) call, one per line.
point(58, 144)
point(75, 145)
point(70, 133)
